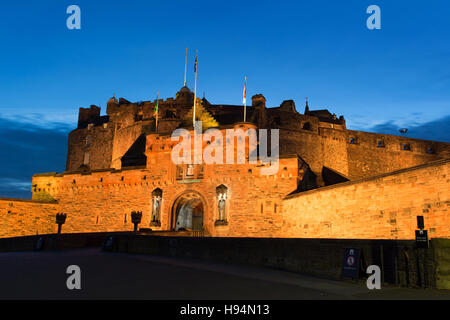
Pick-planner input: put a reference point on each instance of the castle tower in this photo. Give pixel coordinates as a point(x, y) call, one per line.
point(185, 96)
point(260, 116)
point(112, 104)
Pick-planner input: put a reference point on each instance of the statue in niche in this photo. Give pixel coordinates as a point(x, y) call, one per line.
point(222, 203)
point(221, 192)
point(156, 210)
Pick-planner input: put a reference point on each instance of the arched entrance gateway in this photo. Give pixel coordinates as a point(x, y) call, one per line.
point(187, 212)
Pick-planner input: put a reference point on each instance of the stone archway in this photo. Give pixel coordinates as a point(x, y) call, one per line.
point(187, 212)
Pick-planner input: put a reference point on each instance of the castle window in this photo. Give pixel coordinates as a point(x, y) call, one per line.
point(275, 207)
point(200, 172)
point(430, 150)
point(169, 114)
point(138, 117)
point(307, 126)
point(380, 143)
point(190, 171)
point(353, 140)
point(277, 121)
point(406, 147)
point(179, 175)
point(86, 158)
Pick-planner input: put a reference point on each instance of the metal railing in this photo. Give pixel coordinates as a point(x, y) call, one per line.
point(198, 233)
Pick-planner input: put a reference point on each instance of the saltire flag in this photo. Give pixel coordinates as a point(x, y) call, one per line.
point(155, 112)
point(195, 65)
point(244, 100)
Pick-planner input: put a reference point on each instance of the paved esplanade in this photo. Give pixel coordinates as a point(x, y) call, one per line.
point(42, 275)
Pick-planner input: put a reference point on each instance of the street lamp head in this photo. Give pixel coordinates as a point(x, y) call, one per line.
point(61, 218)
point(136, 217)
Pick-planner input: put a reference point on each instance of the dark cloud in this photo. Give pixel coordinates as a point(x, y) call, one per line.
point(29, 145)
point(437, 130)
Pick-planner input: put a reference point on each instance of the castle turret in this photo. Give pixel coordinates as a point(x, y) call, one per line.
point(87, 116)
point(185, 96)
point(306, 108)
point(288, 105)
point(112, 104)
point(259, 103)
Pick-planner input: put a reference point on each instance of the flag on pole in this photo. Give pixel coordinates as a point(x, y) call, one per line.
point(155, 112)
point(195, 88)
point(195, 65)
point(244, 100)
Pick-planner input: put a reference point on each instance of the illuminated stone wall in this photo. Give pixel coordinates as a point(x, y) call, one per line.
point(383, 207)
point(26, 217)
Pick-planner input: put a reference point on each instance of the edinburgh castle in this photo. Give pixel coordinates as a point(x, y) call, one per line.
point(331, 182)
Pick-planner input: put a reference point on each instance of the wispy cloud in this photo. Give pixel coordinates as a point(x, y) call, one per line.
point(15, 188)
point(30, 144)
point(15, 183)
point(438, 130)
point(39, 121)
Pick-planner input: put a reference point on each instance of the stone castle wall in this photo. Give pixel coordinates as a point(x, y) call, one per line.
point(103, 200)
point(383, 207)
point(26, 217)
point(366, 157)
point(96, 141)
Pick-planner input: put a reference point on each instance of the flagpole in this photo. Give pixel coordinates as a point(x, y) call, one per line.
point(185, 67)
point(195, 88)
point(157, 111)
point(245, 99)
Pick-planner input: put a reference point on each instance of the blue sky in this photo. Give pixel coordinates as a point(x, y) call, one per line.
point(398, 76)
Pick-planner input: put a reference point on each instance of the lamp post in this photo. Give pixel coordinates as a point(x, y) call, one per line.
point(60, 220)
point(136, 217)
